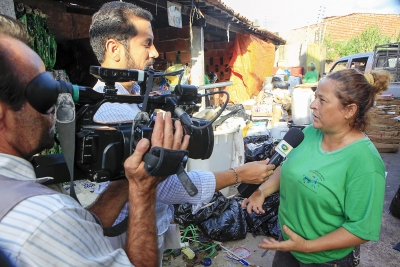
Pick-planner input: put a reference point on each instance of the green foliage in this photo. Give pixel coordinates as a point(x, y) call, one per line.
point(364, 42)
point(371, 37)
point(56, 149)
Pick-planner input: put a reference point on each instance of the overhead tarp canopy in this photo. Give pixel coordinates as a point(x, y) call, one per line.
point(252, 60)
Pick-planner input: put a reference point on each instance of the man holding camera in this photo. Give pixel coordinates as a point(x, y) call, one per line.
point(121, 37)
point(40, 227)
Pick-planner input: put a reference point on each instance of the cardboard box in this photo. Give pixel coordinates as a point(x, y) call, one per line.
point(261, 114)
point(386, 148)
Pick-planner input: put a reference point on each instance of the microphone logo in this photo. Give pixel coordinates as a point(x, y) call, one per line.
point(283, 148)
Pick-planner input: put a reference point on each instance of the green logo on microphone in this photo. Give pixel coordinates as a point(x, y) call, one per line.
point(284, 147)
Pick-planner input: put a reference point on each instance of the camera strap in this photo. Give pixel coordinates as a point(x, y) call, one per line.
point(164, 162)
point(65, 116)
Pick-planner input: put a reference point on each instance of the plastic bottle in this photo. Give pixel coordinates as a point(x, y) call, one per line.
point(246, 128)
point(267, 85)
point(287, 75)
point(281, 74)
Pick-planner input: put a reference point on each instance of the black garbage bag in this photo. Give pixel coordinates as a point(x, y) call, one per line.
point(236, 111)
point(223, 220)
point(258, 147)
point(394, 207)
point(266, 223)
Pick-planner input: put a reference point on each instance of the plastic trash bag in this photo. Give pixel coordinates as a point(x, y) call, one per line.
point(258, 147)
point(395, 204)
point(223, 220)
point(266, 223)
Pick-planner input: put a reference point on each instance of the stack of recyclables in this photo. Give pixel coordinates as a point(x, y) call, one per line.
point(258, 128)
point(278, 130)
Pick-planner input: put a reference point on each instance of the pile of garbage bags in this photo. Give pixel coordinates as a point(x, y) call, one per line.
point(225, 220)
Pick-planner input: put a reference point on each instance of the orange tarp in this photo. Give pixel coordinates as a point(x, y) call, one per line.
point(252, 60)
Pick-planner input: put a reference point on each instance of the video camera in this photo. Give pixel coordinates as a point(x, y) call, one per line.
point(101, 148)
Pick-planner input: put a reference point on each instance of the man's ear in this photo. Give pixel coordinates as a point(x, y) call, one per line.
point(3, 109)
point(113, 50)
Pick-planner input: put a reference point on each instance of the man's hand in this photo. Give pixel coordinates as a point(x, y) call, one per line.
point(162, 136)
point(255, 172)
point(141, 246)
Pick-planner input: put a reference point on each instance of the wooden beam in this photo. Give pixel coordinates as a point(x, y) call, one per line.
point(82, 11)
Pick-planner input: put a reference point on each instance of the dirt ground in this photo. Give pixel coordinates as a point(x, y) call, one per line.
point(373, 254)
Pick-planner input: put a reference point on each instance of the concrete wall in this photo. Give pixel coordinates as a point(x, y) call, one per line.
point(7, 8)
point(300, 55)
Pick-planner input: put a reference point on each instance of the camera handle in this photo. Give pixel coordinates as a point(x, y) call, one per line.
point(161, 161)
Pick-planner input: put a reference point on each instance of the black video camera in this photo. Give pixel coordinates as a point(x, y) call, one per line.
point(101, 148)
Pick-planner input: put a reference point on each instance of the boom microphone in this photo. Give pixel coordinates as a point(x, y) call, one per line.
point(291, 140)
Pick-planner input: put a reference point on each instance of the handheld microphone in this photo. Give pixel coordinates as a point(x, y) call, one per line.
point(291, 140)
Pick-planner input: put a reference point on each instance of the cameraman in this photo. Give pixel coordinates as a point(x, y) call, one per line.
point(121, 37)
point(39, 226)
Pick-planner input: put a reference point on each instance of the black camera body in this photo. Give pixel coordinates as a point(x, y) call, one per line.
point(102, 148)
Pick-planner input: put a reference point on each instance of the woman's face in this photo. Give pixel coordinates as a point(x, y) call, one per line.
point(329, 114)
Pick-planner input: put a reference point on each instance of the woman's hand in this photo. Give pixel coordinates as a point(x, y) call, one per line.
point(254, 202)
point(294, 243)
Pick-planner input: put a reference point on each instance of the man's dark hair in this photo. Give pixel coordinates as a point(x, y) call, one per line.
point(12, 88)
point(14, 28)
point(112, 22)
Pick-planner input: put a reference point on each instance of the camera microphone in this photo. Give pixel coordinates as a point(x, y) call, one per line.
point(291, 140)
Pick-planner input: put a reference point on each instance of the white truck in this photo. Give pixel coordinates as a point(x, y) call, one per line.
point(384, 57)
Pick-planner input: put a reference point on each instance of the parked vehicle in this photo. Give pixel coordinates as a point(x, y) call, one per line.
point(384, 57)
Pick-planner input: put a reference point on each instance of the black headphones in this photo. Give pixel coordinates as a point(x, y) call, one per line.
point(42, 92)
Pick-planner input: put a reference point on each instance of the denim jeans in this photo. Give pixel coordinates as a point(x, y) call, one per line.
point(286, 259)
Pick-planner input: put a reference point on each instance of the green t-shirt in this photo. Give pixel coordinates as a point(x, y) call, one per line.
point(310, 76)
point(323, 191)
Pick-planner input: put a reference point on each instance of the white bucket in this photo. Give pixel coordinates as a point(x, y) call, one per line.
point(279, 130)
point(223, 155)
point(301, 100)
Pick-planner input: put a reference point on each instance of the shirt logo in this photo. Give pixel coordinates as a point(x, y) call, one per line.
point(312, 180)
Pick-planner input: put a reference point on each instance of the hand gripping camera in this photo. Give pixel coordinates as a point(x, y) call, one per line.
point(97, 151)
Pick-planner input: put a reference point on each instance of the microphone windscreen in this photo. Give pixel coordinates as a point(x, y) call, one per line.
point(294, 137)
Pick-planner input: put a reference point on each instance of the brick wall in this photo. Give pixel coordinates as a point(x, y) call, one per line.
point(64, 26)
point(170, 41)
point(345, 27)
point(216, 58)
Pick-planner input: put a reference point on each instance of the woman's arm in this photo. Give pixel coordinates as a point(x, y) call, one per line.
point(255, 201)
point(340, 238)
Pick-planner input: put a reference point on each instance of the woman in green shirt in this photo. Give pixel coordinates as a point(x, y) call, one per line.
point(332, 185)
point(311, 75)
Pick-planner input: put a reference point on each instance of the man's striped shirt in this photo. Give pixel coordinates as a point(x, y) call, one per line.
point(52, 230)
